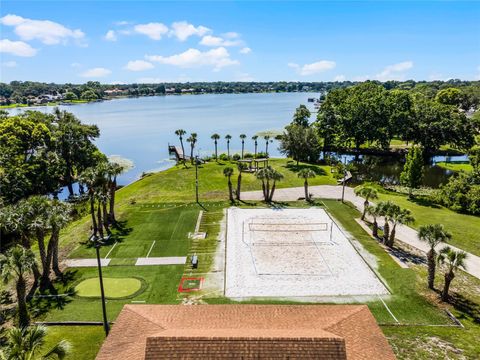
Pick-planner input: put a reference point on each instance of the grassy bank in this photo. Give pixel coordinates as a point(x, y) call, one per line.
point(457, 167)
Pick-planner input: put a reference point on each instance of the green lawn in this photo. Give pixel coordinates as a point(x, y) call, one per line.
point(114, 288)
point(85, 341)
point(455, 166)
point(464, 228)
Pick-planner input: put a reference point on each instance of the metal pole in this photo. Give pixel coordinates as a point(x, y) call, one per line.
point(104, 309)
point(196, 178)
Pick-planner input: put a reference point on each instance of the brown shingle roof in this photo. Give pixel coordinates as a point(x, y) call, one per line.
point(245, 331)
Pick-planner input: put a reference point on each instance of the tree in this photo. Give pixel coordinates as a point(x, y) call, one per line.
point(398, 216)
point(306, 174)
point(301, 116)
point(453, 260)
point(192, 140)
point(113, 170)
point(367, 192)
point(450, 96)
point(243, 137)
point(268, 176)
point(254, 138)
point(267, 139)
point(69, 96)
point(180, 133)
point(17, 264)
point(433, 235)
point(228, 172)
point(215, 138)
point(412, 174)
point(385, 209)
point(241, 167)
point(89, 95)
point(228, 137)
point(26, 343)
point(374, 212)
point(90, 179)
point(59, 217)
point(300, 143)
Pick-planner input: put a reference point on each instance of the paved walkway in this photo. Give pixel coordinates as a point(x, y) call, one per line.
point(85, 262)
point(168, 260)
point(403, 233)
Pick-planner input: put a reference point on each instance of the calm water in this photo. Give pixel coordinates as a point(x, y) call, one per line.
point(140, 129)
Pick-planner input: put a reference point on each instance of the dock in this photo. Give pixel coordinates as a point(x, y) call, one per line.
point(177, 151)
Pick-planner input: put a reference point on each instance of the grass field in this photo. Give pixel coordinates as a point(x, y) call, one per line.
point(114, 288)
point(465, 229)
point(156, 215)
point(457, 167)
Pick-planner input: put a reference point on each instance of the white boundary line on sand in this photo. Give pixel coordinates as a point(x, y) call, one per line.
point(151, 247)
point(388, 309)
point(106, 256)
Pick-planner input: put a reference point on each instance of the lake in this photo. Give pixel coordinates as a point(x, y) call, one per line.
point(140, 129)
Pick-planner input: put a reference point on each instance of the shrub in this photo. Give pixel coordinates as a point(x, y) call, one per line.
point(236, 157)
point(223, 157)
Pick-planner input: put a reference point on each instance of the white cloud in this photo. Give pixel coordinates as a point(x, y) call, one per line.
point(139, 65)
point(154, 31)
point(18, 48)
point(9, 64)
point(182, 30)
point(217, 58)
point(245, 50)
point(231, 35)
point(97, 72)
point(48, 32)
point(111, 35)
point(216, 41)
point(395, 71)
point(339, 78)
point(313, 68)
point(122, 23)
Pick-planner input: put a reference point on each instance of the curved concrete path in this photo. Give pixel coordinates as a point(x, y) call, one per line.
point(403, 233)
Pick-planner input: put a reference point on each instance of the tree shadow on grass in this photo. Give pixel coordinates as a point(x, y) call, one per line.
point(119, 231)
point(296, 168)
point(466, 306)
point(423, 201)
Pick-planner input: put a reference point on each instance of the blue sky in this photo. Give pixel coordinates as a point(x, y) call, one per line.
point(155, 41)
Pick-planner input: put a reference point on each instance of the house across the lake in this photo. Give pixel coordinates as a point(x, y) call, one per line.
point(245, 332)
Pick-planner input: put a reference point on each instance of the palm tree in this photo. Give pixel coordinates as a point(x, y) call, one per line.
point(228, 137)
point(89, 179)
point(264, 175)
point(17, 264)
point(241, 167)
point(113, 170)
point(374, 212)
point(367, 192)
point(192, 140)
point(306, 174)
point(26, 344)
point(399, 216)
point(228, 172)
point(59, 218)
point(254, 138)
point(267, 139)
point(180, 133)
point(215, 138)
point(275, 176)
point(433, 234)
point(243, 137)
point(453, 260)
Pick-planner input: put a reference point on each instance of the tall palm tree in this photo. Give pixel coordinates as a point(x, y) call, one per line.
point(264, 175)
point(228, 137)
point(367, 192)
point(433, 234)
point(243, 137)
point(255, 142)
point(374, 212)
point(89, 179)
point(59, 217)
point(228, 172)
point(241, 167)
point(192, 140)
point(180, 133)
point(26, 344)
point(306, 174)
point(399, 216)
point(113, 170)
point(215, 138)
point(453, 260)
point(17, 264)
point(267, 139)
